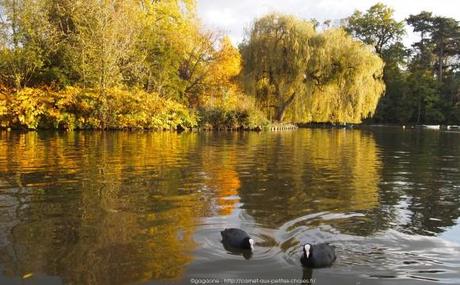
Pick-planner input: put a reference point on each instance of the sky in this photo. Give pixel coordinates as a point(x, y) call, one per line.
point(233, 16)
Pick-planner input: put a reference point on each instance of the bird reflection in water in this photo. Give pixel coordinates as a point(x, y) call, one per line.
point(307, 276)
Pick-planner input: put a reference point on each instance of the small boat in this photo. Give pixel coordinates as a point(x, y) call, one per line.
point(453, 127)
point(432, 127)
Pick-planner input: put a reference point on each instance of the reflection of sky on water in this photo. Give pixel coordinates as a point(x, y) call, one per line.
point(452, 233)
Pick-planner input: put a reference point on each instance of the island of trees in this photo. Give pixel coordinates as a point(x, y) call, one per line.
point(130, 64)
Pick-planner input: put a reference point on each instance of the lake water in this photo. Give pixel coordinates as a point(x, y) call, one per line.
point(141, 208)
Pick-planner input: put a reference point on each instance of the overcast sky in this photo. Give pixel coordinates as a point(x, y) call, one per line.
point(232, 16)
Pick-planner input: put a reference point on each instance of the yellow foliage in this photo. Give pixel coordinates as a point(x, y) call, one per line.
point(90, 108)
point(345, 81)
point(3, 107)
point(330, 151)
point(106, 213)
point(226, 66)
point(301, 75)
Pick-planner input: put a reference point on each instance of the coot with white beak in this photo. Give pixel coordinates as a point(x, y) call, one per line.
point(318, 255)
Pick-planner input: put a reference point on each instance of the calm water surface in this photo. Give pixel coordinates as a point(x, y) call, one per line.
point(141, 208)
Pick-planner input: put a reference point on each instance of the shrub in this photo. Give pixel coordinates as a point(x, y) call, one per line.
point(75, 108)
point(236, 112)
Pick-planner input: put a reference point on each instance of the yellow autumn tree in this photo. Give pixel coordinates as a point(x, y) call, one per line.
point(297, 74)
point(344, 79)
point(223, 73)
point(226, 66)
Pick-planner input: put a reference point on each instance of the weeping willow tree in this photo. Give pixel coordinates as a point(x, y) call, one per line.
point(301, 76)
point(344, 79)
point(275, 56)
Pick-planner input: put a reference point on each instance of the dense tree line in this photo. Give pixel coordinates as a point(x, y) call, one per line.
point(151, 64)
point(422, 82)
point(103, 44)
point(115, 64)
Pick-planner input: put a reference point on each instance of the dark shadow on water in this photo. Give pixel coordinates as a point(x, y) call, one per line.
point(307, 276)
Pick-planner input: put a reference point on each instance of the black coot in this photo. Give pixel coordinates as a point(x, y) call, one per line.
point(237, 239)
point(318, 255)
point(246, 253)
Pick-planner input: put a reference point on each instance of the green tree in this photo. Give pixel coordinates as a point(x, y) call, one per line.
point(376, 27)
point(439, 37)
point(27, 39)
point(424, 91)
point(394, 107)
point(421, 23)
point(437, 54)
point(446, 36)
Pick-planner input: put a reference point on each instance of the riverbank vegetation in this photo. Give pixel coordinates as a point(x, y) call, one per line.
point(152, 65)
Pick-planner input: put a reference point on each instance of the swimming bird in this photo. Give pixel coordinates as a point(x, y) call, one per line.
point(246, 253)
point(318, 255)
point(237, 239)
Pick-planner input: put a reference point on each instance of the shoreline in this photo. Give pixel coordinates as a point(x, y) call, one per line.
point(269, 127)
